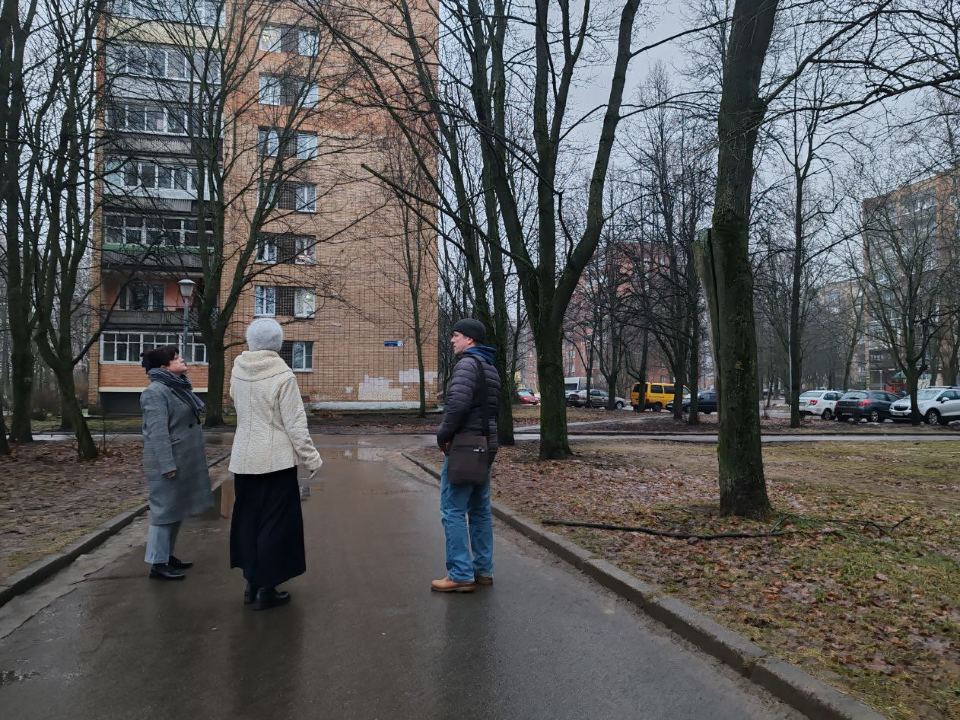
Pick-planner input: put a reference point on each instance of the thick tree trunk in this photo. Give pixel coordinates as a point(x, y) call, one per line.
point(216, 373)
point(680, 379)
point(913, 376)
point(642, 379)
point(72, 415)
point(4, 445)
point(22, 371)
point(508, 390)
point(554, 444)
point(743, 490)
point(421, 374)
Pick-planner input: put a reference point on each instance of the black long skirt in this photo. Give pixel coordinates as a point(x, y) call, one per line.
point(266, 533)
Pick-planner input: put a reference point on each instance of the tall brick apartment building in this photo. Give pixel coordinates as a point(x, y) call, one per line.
point(324, 263)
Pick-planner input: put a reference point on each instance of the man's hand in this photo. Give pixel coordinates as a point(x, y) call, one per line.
point(171, 475)
point(444, 445)
point(313, 474)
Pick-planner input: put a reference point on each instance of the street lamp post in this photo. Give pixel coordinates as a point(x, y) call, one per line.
point(186, 291)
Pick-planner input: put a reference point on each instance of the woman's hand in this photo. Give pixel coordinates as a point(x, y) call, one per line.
point(171, 475)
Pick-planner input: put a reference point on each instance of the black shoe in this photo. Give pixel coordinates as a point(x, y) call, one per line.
point(163, 571)
point(250, 594)
point(269, 597)
point(179, 564)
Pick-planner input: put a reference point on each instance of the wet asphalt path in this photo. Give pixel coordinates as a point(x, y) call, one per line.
point(364, 637)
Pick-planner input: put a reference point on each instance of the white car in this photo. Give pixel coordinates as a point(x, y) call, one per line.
point(819, 402)
point(937, 405)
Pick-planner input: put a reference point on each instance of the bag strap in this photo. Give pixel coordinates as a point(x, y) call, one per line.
point(482, 392)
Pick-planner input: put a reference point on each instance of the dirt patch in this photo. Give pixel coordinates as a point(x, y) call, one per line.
point(48, 499)
point(872, 610)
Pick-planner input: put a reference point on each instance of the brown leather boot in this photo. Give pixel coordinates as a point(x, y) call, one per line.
point(483, 579)
point(451, 586)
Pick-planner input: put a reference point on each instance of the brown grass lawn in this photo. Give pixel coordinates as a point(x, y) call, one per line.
point(871, 610)
point(48, 499)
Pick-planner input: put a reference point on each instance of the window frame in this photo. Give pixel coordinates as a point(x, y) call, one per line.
point(264, 296)
point(169, 338)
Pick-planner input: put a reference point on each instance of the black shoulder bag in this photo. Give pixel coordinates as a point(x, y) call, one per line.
point(470, 454)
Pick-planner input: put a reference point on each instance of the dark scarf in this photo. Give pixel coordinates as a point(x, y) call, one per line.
point(181, 388)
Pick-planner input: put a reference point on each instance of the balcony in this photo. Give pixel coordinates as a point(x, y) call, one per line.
point(167, 317)
point(137, 256)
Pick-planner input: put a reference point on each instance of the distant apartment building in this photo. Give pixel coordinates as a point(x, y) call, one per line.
point(322, 260)
point(924, 215)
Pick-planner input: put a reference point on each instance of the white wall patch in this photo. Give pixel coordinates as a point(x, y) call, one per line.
point(378, 390)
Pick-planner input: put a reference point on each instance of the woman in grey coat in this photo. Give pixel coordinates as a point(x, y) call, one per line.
point(174, 459)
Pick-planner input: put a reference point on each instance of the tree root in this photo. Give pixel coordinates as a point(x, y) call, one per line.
point(775, 531)
point(667, 533)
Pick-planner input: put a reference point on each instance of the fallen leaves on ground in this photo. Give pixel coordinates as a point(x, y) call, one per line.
point(874, 612)
point(48, 498)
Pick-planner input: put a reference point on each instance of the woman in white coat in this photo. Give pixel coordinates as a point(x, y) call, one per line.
point(266, 533)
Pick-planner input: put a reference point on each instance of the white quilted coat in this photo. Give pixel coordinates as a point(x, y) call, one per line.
point(272, 431)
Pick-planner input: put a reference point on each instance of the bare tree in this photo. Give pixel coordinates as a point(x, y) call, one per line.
point(415, 252)
point(549, 261)
point(907, 283)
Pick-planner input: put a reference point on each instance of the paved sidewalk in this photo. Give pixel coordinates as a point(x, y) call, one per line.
point(363, 637)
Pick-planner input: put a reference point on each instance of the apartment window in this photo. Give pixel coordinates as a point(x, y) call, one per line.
point(126, 347)
point(266, 249)
point(197, 12)
point(293, 40)
point(147, 118)
point(270, 38)
point(286, 248)
point(299, 197)
point(150, 175)
point(300, 144)
point(264, 301)
point(305, 247)
point(148, 60)
point(139, 230)
point(287, 90)
point(298, 355)
point(304, 302)
point(141, 296)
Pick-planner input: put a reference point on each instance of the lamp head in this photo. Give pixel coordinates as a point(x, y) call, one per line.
point(186, 288)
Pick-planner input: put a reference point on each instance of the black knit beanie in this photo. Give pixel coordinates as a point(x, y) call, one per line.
point(472, 329)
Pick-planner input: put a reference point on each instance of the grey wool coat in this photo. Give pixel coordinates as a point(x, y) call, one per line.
point(173, 440)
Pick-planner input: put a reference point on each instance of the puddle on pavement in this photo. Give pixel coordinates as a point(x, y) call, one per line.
point(9, 677)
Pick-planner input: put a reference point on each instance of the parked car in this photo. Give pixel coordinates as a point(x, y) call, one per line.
point(874, 405)
point(707, 402)
point(656, 397)
point(598, 398)
point(526, 396)
point(937, 406)
point(819, 402)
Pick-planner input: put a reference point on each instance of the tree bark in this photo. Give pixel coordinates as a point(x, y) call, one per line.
point(743, 490)
point(554, 443)
point(216, 374)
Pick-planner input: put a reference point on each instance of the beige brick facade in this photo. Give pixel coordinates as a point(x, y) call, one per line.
point(363, 348)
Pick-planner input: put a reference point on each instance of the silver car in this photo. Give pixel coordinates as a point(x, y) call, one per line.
point(937, 406)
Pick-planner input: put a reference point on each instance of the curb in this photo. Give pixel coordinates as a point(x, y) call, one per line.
point(34, 574)
point(793, 686)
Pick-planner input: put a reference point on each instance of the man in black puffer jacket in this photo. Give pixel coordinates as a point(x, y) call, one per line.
point(462, 414)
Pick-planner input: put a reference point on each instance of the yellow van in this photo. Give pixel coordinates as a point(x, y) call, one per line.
point(657, 396)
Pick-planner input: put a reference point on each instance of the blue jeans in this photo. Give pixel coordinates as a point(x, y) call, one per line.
point(457, 503)
point(160, 542)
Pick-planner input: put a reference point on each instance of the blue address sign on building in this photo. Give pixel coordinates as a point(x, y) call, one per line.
point(393, 343)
